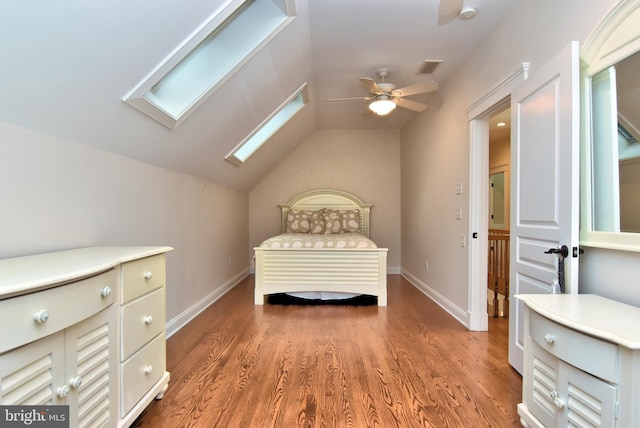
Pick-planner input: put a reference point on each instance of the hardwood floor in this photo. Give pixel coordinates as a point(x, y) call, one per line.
point(407, 365)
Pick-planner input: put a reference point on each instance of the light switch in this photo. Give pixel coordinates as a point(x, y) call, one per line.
point(458, 213)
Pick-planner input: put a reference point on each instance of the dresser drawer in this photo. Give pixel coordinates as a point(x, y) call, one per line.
point(585, 352)
point(141, 372)
point(142, 320)
point(142, 276)
point(36, 315)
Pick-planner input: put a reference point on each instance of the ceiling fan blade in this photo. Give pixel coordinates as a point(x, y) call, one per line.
point(418, 88)
point(349, 99)
point(370, 86)
point(409, 104)
point(448, 11)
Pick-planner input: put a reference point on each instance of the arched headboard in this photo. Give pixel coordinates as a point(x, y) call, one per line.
point(331, 199)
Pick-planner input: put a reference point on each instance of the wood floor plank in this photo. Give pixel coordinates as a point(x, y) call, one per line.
point(409, 364)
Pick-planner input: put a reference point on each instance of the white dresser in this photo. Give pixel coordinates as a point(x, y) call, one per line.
point(84, 328)
point(142, 335)
point(581, 362)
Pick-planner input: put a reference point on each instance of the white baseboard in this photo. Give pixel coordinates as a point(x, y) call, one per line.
point(181, 320)
point(456, 312)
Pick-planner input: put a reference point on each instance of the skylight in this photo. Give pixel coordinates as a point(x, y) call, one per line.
point(270, 126)
point(212, 54)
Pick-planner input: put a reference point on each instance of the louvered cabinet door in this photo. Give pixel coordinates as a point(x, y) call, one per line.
point(590, 402)
point(90, 361)
point(543, 367)
point(33, 374)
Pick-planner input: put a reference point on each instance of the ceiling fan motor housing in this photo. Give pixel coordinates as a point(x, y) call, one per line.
point(387, 87)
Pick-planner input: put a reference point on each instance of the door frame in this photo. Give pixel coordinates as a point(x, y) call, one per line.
point(479, 112)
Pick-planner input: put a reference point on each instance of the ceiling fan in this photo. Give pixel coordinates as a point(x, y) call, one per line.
point(451, 9)
point(386, 96)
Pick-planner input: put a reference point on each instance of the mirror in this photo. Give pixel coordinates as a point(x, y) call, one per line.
point(615, 147)
point(610, 157)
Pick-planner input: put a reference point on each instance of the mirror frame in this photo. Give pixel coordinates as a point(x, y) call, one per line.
point(616, 37)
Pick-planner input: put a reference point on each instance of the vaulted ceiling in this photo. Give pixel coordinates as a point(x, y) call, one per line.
point(67, 64)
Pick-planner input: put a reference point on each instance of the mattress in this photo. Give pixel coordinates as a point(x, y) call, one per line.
point(319, 240)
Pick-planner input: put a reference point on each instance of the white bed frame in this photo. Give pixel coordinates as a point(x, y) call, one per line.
point(348, 270)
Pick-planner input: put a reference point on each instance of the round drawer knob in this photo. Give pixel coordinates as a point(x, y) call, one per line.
point(549, 338)
point(557, 401)
point(76, 382)
point(148, 369)
point(148, 275)
point(148, 319)
point(41, 316)
point(63, 391)
point(105, 292)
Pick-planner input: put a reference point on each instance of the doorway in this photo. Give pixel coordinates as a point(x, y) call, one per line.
point(495, 100)
point(499, 214)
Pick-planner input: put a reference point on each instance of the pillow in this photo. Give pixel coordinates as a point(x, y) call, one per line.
point(298, 221)
point(316, 222)
point(332, 221)
point(350, 220)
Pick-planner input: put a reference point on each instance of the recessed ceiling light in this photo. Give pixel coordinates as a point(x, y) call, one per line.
point(500, 124)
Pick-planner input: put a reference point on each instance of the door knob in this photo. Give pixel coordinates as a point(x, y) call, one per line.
point(562, 251)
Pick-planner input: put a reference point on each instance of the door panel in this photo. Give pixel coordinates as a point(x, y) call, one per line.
point(545, 180)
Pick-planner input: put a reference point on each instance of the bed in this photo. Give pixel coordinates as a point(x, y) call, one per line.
point(306, 259)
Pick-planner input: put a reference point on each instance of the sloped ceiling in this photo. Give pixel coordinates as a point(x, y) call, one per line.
point(67, 64)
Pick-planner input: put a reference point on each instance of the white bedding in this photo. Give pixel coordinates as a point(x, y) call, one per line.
point(320, 240)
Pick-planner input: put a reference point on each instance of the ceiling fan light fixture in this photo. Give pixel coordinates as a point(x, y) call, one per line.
point(382, 106)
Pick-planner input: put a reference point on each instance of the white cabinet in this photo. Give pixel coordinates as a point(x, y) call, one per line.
point(142, 335)
point(581, 362)
point(84, 328)
point(53, 354)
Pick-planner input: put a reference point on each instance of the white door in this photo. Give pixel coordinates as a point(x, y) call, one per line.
point(545, 157)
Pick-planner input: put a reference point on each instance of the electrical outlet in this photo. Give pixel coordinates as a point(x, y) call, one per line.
point(426, 266)
point(459, 189)
point(463, 240)
point(458, 213)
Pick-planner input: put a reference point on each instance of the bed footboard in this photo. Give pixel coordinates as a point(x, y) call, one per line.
point(361, 271)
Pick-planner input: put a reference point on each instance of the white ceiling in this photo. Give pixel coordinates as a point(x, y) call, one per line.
point(67, 64)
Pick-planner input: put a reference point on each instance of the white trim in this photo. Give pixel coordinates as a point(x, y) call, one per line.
point(499, 91)
point(183, 319)
point(615, 38)
point(453, 310)
point(301, 91)
point(479, 112)
point(478, 223)
point(136, 97)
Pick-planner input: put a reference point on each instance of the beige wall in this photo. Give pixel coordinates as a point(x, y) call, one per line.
point(500, 154)
point(629, 191)
point(365, 163)
point(435, 144)
point(58, 195)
